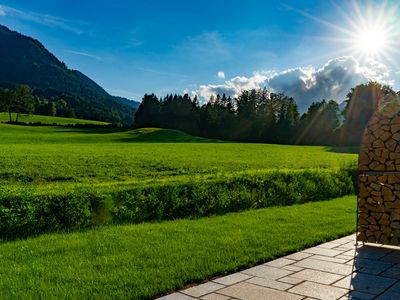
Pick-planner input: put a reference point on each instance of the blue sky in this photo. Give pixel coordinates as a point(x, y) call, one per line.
point(136, 47)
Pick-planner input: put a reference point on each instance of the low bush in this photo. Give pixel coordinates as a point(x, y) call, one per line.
point(196, 199)
point(24, 213)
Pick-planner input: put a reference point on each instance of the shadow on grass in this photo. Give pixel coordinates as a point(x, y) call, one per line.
point(349, 149)
point(156, 135)
point(143, 135)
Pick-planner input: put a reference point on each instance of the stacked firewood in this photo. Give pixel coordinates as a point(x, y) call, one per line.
point(379, 163)
point(379, 209)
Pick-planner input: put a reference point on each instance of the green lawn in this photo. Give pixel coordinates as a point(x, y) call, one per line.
point(54, 156)
point(4, 117)
point(146, 260)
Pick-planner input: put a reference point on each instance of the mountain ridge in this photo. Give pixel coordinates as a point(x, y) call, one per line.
point(25, 60)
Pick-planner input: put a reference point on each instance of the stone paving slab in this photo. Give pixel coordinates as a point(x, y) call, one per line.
point(280, 262)
point(326, 266)
point(318, 276)
point(319, 291)
point(232, 279)
point(292, 268)
point(291, 280)
point(332, 259)
point(391, 294)
point(203, 289)
point(365, 283)
point(270, 283)
point(339, 269)
point(323, 251)
point(176, 296)
point(267, 272)
point(248, 291)
point(214, 296)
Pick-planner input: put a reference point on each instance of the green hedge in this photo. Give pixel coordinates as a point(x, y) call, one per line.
point(23, 213)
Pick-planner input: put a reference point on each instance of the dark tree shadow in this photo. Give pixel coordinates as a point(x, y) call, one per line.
point(164, 136)
point(143, 135)
point(350, 149)
point(93, 130)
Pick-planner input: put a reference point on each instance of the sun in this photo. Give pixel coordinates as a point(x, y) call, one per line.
point(372, 30)
point(371, 41)
point(363, 29)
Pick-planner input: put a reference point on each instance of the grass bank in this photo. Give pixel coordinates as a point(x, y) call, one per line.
point(146, 260)
point(25, 212)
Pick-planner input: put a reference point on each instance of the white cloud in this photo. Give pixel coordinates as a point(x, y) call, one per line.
point(2, 11)
point(221, 75)
point(85, 54)
point(307, 84)
point(43, 19)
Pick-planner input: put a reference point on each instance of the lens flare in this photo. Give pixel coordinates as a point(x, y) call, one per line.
point(367, 30)
point(371, 41)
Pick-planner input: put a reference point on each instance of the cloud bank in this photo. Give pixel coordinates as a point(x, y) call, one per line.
point(307, 84)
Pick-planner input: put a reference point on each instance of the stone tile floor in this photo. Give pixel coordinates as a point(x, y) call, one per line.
point(338, 269)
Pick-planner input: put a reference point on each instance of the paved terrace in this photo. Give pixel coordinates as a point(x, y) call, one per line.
point(335, 270)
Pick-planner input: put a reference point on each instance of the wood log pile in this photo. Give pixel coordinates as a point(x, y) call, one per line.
point(379, 209)
point(379, 180)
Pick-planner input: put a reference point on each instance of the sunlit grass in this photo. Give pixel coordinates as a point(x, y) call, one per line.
point(146, 260)
point(58, 156)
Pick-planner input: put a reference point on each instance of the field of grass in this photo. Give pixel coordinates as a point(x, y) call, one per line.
point(57, 178)
point(145, 260)
point(4, 117)
point(58, 156)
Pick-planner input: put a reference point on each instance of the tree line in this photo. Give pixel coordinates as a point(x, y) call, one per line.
point(23, 100)
point(259, 115)
point(256, 115)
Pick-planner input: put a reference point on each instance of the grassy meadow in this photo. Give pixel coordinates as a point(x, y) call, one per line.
point(147, 260)
point(47, 156)
point(229, 205)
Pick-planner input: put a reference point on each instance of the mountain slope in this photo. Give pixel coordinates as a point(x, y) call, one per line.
point(24, 60)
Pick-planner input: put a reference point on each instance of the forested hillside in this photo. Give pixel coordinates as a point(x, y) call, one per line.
point(24, 60)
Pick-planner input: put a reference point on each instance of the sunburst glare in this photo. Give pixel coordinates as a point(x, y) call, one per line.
point(371, 41)
point(372, 30)
point(369, 30)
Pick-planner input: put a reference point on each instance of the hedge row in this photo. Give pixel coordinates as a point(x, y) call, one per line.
point(23, 213)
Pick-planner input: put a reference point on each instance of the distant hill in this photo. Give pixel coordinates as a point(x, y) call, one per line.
point(24, 60)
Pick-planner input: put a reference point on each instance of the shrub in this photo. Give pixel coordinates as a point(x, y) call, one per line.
point(195, 199)
point(24, 213)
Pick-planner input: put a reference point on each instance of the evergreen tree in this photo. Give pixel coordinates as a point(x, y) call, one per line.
point(288, 118)
point(148, 113)
point(6, 100)
point(319, 123)
point(362, 101)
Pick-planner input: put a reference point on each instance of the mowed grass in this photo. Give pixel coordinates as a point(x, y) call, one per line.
point(4, 117)
point(58, 156)
point(146, 260)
